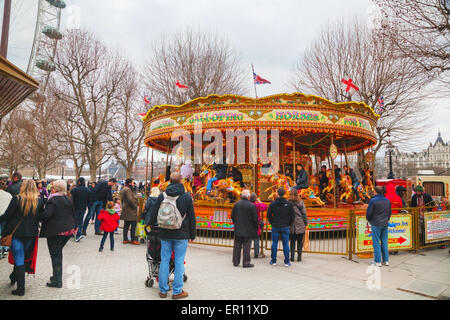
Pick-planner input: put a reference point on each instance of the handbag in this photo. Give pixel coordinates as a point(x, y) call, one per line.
point(306, 245)
point(7, 240)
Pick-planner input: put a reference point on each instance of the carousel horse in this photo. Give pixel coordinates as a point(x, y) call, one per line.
point(279, 181)
point(222, 188)
point(314, 185)
point(369, 185)
point(362, 192)
point(187, 185)
point(347, 188)
point(328, 191)
point(310, 198)
point(162, 183)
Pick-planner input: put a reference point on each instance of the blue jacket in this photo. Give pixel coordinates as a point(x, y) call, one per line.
point(379, 211)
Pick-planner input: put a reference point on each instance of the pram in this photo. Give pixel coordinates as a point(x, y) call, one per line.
point(153, 256)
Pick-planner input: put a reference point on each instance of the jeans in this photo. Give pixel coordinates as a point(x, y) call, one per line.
point(380, 252)
point(355, 189)
point(210, 182)
point(111, 238)
point(167, 247)
point(18, 248)
point(284, 232)
point(256, 246)
point(80, 216)
point(94, 211)
point(129, 225)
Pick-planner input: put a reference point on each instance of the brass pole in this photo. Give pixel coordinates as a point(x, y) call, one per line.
point(294, 166)
point(146, 175)
point(333, 173)
point(167, 162)
point(5, 29)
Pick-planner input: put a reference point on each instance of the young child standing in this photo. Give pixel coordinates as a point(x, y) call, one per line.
point(118, 210)
point(109, 222)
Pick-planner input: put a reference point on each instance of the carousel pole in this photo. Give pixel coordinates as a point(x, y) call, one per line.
point(345, 154)
point(294, 168)
point(167, 162)
point(151, 179)
point(146, 175)
point(333, 173)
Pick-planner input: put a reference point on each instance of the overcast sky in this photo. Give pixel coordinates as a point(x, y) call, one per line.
point(271, 34)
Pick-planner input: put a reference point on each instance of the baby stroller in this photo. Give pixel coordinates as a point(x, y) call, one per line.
point(153, 256)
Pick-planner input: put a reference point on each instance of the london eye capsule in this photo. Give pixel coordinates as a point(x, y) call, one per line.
point(45, 65)
point(52, 33)
point(57, 3)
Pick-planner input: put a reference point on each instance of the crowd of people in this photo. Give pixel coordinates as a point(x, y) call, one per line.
point(59, 211)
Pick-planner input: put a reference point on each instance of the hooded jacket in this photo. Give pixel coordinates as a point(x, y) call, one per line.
point(14, 188)
point(102, 191)
point(379, 211)
point(109, 219)
point(80, 196)
point(280, 213)
point(129, 205)
point(186, 208)
point(393, 197)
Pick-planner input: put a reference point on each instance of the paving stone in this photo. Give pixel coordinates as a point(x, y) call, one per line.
point(428, 288)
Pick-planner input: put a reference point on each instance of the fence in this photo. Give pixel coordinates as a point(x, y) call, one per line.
point(337, 231)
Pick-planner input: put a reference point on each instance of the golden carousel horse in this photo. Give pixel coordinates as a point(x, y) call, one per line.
point(347, 188)
point(310, 198)
point(279, 181)
point(314, 185)
point(222, 189)
point(369, 185)
point(328, 190)
point(164, 184)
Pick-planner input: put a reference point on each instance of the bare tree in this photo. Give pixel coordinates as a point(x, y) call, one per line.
point(12, 143)
point(351, 51)
point(204, 62)
point(89, 80)
point(127, 135)
point(420, 30)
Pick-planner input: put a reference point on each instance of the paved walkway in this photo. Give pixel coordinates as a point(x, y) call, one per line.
point(121, 275)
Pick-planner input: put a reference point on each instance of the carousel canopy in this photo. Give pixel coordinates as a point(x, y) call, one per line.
point(311, 121)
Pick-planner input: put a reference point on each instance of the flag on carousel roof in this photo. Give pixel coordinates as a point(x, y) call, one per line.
point(181, 87)
point(259, 80)
point(381, 107)
point(349, 86)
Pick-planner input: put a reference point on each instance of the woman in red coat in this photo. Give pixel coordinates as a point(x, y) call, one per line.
point(109, 222)
point(393, 197)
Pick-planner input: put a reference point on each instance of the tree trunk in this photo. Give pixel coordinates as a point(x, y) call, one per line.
point(129, 171)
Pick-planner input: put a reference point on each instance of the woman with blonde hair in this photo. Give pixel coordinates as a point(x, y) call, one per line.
point(58, 226)
point(298, 226)
point(154, 194)
point(22, 223)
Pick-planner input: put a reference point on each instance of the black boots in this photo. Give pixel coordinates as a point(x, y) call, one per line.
point(12, 276)
point(56, 279)
point(20, 278)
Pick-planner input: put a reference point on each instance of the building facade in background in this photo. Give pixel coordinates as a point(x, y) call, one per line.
point(436, 157)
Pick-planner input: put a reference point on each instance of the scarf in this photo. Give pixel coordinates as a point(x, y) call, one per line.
point(111, 211)
point(57, 194)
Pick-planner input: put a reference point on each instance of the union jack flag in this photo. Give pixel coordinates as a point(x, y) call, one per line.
point(259, 80)
point(380, 105)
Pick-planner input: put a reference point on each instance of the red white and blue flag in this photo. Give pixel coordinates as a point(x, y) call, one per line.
point(259, 80)
point(380, 105)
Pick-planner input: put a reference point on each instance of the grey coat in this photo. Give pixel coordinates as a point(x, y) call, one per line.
point(300, 222)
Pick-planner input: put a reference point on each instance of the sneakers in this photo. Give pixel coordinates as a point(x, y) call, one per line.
point(287, 264)
point(273, 263)
point(77, 239)
point(182, 295)
point(377, 264)
point(386, 264)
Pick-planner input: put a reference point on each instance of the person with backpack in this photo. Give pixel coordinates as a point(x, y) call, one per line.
point(173, 213)
point(109, 220)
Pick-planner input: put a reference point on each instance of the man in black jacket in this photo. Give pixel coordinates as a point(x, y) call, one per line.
point(280, 215)
point(302, 178)
point(245, 219)
point(175, 240)
point(378, 215)
point(80, 197)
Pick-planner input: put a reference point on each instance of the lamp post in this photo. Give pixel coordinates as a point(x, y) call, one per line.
point(62, 173)
point(390, 148)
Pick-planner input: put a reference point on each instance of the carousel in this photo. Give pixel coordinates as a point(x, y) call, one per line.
point(311, 132)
